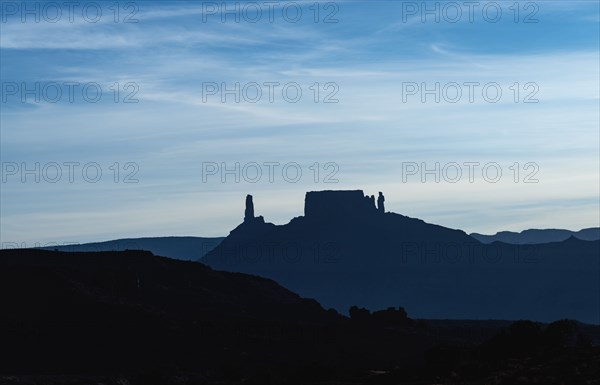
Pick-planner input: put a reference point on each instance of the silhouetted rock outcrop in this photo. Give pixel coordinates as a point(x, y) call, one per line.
point(359, 314)
point(249, 212)
point(388, 317)
point(337, 204)
point(344, 252)
point(380, 205)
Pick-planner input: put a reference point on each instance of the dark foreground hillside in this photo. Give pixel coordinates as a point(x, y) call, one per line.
point(134, 318)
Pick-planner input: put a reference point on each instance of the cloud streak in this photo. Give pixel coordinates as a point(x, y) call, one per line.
point(170, 53)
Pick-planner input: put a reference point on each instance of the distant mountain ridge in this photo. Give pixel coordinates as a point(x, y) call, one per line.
point(182, 248)
point(536, 236)
point(344, 251)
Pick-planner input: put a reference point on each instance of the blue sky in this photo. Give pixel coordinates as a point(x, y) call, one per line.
point(373, 50)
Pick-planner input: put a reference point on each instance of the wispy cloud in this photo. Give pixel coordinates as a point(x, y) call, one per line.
point(369, 133)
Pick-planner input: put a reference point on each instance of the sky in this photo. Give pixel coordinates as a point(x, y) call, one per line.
point(150, 118)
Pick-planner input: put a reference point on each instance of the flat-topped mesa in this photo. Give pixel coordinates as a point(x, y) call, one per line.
point(338, 204)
